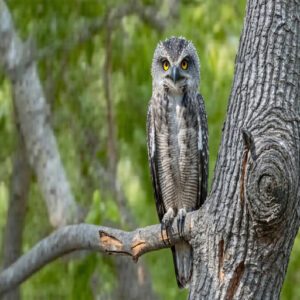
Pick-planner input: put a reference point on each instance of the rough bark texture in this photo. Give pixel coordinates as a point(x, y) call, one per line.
point(33, 114)
point(252, 214)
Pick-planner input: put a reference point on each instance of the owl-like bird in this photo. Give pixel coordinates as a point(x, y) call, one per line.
point(177, 141)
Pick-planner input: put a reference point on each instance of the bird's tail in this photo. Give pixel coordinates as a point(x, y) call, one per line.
point(183, 259)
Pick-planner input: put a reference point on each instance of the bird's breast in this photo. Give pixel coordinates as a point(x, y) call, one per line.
point(177, 122)
point(177, 143)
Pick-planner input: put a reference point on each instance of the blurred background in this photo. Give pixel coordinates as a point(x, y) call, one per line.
point(94, 61)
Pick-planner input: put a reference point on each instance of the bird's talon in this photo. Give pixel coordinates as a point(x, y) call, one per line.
point(168, 238)
point(180, 221)
point(162, 229)
point(165, 227)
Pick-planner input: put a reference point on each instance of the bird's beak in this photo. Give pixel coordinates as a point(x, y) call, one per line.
point(175, 74)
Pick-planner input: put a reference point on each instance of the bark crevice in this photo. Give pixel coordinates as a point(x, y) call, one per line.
point(235, 280)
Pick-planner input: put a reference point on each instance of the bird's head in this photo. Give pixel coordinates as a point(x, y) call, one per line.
point(175, 65)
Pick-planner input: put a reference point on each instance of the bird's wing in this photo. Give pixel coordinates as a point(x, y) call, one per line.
point(152, 157)
point(202, 150)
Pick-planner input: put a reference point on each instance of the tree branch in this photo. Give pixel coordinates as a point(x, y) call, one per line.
point(94, 238)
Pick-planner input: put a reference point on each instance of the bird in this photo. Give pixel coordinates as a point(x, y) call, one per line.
point(177, 142)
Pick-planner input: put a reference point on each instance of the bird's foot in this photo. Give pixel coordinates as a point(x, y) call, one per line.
point(180, 221)
point(166, 222)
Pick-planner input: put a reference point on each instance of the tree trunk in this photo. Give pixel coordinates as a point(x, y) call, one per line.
point(250, 219)
point(19, 188)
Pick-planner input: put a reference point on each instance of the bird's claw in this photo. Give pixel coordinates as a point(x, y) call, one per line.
point(164, 230)
point(180, 221)
point(166, 223)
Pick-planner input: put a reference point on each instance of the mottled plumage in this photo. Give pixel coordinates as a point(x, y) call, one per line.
point(177, 141)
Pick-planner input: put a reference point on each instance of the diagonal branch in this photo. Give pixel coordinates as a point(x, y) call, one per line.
point(93, 238)
point(16, 58)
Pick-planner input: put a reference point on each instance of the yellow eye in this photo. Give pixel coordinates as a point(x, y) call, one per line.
point(166, 65)
point(184, 64)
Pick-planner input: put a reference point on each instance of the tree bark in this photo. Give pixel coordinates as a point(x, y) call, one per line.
point(251, 217)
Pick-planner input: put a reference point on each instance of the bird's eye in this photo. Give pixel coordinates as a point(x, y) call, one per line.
point(184, 64)
point(165, 65)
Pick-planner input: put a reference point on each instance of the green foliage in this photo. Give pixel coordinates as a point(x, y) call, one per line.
point(72, 74)
point(291, 288)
